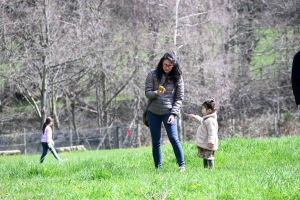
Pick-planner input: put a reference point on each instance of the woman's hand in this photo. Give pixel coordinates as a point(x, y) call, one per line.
point(50, 145)
point(160, 92)
point(171, 119)
point(210, 145)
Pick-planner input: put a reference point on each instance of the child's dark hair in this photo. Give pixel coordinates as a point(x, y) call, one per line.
point(210, 104)
point(48, 120)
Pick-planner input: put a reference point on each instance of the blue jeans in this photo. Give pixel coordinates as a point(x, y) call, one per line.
point(45, 151)
point(155, 122)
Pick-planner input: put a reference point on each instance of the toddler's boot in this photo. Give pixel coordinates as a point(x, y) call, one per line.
point(205, 163)
point(210, 164)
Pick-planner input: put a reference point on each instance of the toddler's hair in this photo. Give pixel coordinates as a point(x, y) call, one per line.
point(210, 104)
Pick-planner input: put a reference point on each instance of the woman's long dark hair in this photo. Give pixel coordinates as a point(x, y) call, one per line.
point(48, 120)
point(175, 73)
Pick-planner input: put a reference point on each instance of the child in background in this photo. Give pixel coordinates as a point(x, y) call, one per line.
point(47, 141)
point(207, 133)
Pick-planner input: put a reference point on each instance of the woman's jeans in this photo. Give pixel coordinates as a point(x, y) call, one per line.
point(45, 151)
point(155, 122)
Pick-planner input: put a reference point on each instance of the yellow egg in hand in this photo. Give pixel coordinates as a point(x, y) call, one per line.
point(161, 88)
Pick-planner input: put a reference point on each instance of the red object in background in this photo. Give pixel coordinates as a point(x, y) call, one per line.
point(127, 132)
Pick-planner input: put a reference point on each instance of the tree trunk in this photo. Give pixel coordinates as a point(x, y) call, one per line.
point(179, 117)
point(44, 93)
point(73, 102)
point(54, 109)
point(44, 43)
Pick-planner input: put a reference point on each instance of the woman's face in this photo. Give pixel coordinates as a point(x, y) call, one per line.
point(167, 66)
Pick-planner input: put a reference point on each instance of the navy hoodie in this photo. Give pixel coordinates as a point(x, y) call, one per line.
point(296, 77)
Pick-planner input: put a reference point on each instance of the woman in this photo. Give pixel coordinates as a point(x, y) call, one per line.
point(165, 105)
point(47, 142)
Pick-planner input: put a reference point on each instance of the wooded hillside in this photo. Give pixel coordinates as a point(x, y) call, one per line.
point(84, 62)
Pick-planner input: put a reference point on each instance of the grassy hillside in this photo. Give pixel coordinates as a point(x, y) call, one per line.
point(244, 169)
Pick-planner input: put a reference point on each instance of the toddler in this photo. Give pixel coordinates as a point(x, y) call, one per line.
point(207, 133)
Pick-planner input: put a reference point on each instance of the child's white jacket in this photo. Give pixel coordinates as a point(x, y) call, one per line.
point(207, 132)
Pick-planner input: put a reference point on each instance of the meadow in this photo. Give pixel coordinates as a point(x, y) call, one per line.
point(244, 169)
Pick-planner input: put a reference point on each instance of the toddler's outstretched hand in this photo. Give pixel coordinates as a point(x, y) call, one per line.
point(192, 116)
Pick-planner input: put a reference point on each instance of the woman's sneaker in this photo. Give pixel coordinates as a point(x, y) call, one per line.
point(181, 169)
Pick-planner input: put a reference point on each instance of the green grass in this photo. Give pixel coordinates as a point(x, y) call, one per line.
point(244, 169)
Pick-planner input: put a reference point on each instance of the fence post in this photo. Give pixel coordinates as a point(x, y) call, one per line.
point(119, 141)
point(179, 126)
point(71, 137)
point(25, 145)
point(117, 138)
point(138, 135)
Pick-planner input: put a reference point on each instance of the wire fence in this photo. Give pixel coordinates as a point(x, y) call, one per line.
point(92, 139)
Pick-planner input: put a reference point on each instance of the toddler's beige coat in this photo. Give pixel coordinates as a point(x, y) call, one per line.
point(207, 132)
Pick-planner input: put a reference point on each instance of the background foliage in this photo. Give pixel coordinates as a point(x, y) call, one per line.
point(84, 62)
